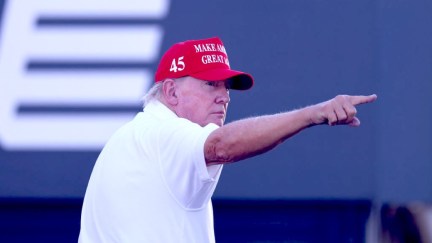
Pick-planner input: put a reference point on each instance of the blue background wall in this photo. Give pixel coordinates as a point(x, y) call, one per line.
point(300, 53)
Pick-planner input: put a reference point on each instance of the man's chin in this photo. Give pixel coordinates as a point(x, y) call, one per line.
point(219, 122)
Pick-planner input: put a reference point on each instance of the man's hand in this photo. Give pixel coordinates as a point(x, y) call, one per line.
point(340, 110)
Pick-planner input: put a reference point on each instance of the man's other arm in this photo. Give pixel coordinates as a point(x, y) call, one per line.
point(246, 138)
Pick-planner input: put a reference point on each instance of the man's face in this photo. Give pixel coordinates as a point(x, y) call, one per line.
point(202, 102)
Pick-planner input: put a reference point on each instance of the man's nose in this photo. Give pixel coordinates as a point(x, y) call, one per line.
point(223, 98)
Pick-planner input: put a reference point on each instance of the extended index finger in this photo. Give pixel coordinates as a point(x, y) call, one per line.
point(362, 99)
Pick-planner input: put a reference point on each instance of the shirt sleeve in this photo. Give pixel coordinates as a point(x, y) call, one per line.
point(183, 167)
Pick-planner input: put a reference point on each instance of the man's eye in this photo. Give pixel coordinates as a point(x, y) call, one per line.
point(213, 84)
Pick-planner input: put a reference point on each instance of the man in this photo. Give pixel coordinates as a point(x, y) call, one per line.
point(154, 179)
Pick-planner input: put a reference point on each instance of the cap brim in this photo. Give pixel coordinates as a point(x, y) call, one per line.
point(237, 80)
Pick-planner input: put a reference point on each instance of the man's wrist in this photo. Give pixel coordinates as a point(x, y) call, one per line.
point(312, 115)
point(309, 115)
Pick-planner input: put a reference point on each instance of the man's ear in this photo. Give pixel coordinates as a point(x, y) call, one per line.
point(169, 89)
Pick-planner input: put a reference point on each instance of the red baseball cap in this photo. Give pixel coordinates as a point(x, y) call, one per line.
point(204, 59)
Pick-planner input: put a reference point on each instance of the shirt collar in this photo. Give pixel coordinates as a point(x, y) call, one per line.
point(159, 110)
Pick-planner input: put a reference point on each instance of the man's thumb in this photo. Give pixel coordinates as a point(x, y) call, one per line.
point(355, 122)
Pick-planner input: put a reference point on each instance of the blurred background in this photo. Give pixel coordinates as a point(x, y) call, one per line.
point(72, 72)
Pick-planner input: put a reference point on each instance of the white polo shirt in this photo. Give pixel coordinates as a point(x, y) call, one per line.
point(151, 183)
